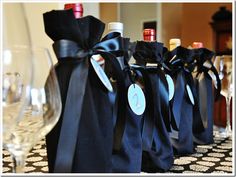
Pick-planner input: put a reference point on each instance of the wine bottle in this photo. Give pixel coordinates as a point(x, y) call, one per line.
point(197, 45)
point(55, 27)
point(77, 9)
point(117, 27)
point(155, 139)
point(175, 42)
point(149, 35)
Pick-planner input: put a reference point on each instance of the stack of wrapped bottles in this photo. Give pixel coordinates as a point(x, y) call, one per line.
point(122, 117)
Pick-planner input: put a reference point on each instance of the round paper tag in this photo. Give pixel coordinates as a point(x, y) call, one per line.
point(101, 74)
point(171, 86)
point(190, 94)
point(136, 99)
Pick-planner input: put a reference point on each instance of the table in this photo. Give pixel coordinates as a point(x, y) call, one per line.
point(213, 158)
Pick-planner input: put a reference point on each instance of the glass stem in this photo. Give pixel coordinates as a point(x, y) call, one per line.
point(228, 126)
point(19, 163)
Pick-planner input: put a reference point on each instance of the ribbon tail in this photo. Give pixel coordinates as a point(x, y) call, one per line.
point(198, 122)
point(203, 95)
point(178, 99)
point(217, 95)
point(122, 101)
point(71, 119)
point(149, 121)
point(164, 100)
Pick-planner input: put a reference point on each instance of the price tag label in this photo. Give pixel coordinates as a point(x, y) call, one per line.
point(190, 94)
point(101, 74)
point(171, 86)
point(136, 99)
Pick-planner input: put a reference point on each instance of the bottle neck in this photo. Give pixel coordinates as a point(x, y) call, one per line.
point(197, 45)
point(149, 38)
point(115, 27)
point(149, 35)
point(174, 43)
point(77, 9)
point(116, 30)
point(173, 46)
point(78, 14)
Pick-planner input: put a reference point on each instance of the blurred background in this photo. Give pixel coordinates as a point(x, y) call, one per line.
point(188, 21)
point(209, 23)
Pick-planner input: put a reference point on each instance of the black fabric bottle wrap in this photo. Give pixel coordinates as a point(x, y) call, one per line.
point(73, 46)
point(180, 65)
point(203, 114)
point(157, 149)
point(128, 158)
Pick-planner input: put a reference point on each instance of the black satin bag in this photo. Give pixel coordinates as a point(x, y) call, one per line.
point(205, 94)
point(179, 66)
point(128, 158)
point(157, 155)
point(83, 139)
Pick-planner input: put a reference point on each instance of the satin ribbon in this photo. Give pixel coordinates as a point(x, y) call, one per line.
point(108, 48)
point(204, 65)
point(151, 52)
point(179, 64)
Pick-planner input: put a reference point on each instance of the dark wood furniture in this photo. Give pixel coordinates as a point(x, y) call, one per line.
point(222, 38)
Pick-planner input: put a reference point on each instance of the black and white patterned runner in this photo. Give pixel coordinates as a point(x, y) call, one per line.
point(214, 158)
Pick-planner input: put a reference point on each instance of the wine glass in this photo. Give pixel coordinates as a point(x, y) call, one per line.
point(40, 113)
point(224, 66)
point(16, 82)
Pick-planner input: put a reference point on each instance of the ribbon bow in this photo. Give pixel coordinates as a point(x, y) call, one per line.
point(79, 40)
point(204, 65)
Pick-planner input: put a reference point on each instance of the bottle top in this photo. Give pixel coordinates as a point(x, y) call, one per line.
point(149, 34)
point(77, 9)
point(116, 27)
point(175, 42)
point(197, 45)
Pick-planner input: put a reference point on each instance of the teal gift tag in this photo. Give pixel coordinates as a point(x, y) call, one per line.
point(171, 86)
point(101, 74)
point(136, 99)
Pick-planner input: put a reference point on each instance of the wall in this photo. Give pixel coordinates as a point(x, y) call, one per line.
point(16, 32)
point(14, 25)
point(34, 12)
point(171, 21)
point(189, 21)
point(108, 13)
point(195, 22)
point(132, 15)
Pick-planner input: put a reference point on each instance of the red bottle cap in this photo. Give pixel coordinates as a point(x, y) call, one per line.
point(197, 45)
point(149, 35)
point(77, 9)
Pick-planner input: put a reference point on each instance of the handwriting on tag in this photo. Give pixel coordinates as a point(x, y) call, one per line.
point(101, 74)
point(190, 94)
point(136, 99)
point(171, 86)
